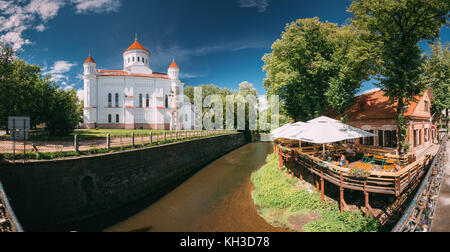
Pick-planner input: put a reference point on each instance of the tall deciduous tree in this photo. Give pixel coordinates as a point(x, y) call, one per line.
point(396, 27)
point(316, 65)
point(25, 92)
point(437, 76)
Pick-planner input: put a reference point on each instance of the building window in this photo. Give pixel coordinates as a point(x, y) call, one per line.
point(185, 118)
point(109, 100)
point(109, 118)
point(368, 140)
point(117, 100)
point(133, 59)
point(387, 138)
point(167, 101)
point(117, 118)
point(147, 100)
point(139, 59)
point(380, 138)
point(128, 59)
point(140, 101)
point(390, 139)
point(427, 107)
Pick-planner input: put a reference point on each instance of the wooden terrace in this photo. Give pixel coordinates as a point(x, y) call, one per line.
point(379, 177)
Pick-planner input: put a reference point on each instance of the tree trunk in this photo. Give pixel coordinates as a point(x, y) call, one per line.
point(400, 124)
point(446, 118)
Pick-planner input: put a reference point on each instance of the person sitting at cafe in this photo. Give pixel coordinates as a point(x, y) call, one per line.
point(343, 160)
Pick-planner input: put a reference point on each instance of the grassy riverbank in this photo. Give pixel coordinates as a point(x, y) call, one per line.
point(282, 202)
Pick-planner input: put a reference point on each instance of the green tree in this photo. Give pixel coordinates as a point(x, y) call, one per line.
point(315, 66)
point(64, 113)
point(6, 86)
point(395, 28)
point(437, 76)
point(25, 92)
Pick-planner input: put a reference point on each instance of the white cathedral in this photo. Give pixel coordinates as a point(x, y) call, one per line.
point(135, 97)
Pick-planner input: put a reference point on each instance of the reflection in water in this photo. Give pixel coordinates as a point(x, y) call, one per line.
point(216, 199)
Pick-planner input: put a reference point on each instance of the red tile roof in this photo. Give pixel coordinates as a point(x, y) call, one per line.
point(89, 60)
point(137, 46)
point(376, 105)
point(173, 65)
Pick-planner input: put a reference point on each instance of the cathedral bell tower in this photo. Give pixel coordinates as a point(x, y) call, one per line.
point(90, 92)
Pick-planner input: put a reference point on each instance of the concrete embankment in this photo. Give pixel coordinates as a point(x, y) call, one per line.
point(51, 193)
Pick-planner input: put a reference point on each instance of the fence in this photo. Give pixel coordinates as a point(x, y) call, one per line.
point(8, 220)
point(419, 215)
point(45, 147)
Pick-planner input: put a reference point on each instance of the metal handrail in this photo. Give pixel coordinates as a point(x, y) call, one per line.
point(9, 211)
point(422, 207)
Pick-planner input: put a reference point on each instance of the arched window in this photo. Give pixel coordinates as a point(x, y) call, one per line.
point(117, 100)
point(140, 101)
point(133, 59)
point(117, 118)
point(167, 101)
point(139, 59)
point(147, 100)
point(109, 118)
point(109, 100)
point(128, 59)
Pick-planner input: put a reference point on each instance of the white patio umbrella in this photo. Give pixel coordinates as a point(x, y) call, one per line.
point(324, 130)
point(276, 131)
point(287, 130)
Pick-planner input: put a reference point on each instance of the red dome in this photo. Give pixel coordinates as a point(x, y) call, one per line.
point(174, 65)
point(89, 60)
point(136, 46)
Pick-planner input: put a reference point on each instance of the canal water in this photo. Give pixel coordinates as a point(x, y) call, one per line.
point(215, 199)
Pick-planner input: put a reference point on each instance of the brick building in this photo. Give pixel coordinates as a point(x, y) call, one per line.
point(376, 113)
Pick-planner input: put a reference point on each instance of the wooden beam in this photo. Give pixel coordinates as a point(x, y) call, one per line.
point(322, 184)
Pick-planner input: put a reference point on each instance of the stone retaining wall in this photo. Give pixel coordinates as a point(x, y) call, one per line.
point(51, 193)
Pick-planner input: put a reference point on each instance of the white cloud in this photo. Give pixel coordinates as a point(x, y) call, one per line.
point(97, 6)
point(260, 5)
point(58, 70)
point(17, 16)
point(80, 94)
point(45, 9)
point(40, 28)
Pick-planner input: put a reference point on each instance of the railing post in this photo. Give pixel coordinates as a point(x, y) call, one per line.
point(322, 185)
point(13, 135)
point(108, 142)
point(341, 189)
point(165, 136)
point(75, 143)
point(132, 140)
point(151, 137)
point(176, 135)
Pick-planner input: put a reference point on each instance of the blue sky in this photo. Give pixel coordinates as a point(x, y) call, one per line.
point(219, 41)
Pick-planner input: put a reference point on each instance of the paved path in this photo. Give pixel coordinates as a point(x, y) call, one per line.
point(441, 222)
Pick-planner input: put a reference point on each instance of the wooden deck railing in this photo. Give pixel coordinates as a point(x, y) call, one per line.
point(380, 182)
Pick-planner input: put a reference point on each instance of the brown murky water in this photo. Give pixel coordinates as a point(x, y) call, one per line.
point(216, 199)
